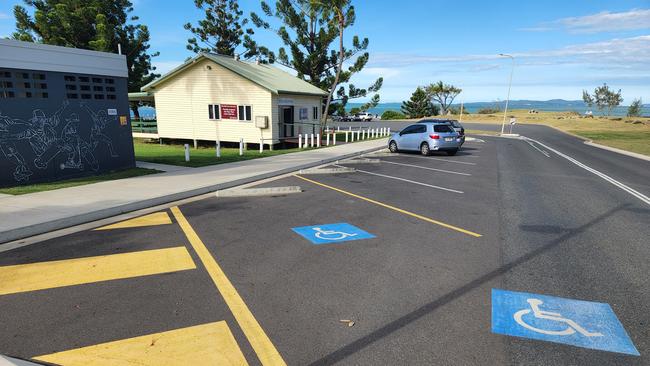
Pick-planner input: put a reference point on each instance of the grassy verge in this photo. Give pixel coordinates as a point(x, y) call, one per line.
point(481, 132)
point(40, 187)
point(638, 142)
point(174, 154)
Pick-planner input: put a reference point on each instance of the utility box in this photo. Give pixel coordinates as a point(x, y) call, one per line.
point(262, 122)
point(64, 113)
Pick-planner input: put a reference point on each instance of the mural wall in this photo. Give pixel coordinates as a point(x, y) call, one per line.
point(59, 125)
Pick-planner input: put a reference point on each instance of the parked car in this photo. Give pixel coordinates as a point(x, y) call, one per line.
point(454, 123)
point(363, 117)
point(426, 136)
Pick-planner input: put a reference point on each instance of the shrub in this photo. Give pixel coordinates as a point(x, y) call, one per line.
point(488, 110)
point(392, 115)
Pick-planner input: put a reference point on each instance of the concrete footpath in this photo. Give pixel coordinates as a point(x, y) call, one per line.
point(37, 213)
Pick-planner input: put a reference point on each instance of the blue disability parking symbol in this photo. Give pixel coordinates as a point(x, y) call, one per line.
point(332, 233)
point(554, 319)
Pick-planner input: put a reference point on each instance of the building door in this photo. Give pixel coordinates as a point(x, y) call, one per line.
point(286, 121)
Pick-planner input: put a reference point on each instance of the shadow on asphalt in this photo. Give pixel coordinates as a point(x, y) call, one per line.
point(413, 316)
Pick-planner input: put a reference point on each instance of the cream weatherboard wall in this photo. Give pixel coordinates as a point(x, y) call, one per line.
point(297, 101)
point(182, 105)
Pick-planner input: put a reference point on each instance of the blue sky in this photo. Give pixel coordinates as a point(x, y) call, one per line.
point(560, 47)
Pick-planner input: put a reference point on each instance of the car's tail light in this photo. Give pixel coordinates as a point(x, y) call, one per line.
point(434, 136)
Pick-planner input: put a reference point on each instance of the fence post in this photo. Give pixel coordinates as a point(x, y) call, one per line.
point(218, 148)
point(187, 152)
point(261, 145)
point(300, 141)
point(311, 141)
point(334, 137)
point(388, 132)
point(318, 140)
point(346, 136)
point(306, 140)
point(241, 146)
point(338, 128)
point(327, 139)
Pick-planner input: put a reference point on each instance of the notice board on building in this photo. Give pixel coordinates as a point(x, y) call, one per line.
point(228, 111)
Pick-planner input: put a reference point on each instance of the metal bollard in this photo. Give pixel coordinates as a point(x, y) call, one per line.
point(187, 152)
point(334, 137)
point(218, 148)
point(327, 139)
point(311, 143)
point(261, 146)
point(388, 132)
point(241, 146)
point(346, 136)
point(300, 141)
point(318, 140)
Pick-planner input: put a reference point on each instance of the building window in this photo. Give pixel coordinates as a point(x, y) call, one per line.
point(84, 87)
point(315, 113)
point(97, 80)
point(6, 94)
point(69, 78)
point(42, 95)
point(84, 79)
point(109, 81)
point(110, 89)
point(6, 74)
point(111, 96)
point(213, 111)
point(303, 114)
point(244, 112)
point(38, 76)
point(70, 87)
point(71, 96)
point(7, 84)
point(86, 96)
point(98, 88)
point(99, 96)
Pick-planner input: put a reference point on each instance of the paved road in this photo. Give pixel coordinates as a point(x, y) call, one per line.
point(447, 234)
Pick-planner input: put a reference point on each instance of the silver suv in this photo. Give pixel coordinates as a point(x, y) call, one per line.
point(426, 137)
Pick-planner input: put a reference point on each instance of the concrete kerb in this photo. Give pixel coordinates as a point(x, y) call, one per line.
point(44, 227)
point(259, 192)
point(337, 170)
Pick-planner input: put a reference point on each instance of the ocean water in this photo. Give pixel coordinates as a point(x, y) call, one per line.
point(547, 106)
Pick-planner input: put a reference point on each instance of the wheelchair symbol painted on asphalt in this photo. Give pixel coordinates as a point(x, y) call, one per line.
point(332, 233)
point(554, 319)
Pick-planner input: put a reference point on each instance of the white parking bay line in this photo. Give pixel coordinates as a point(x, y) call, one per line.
point(425, 167)
point(432, 158)
point(410, 181)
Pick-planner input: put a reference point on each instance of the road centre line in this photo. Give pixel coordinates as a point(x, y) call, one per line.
point(410, 181)
point(423, 218)
point(79, 271)
point(538, 149)
point(607, 178)
point(259, 341)
point(426, 168)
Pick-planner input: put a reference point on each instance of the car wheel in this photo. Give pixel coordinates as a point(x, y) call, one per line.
point(424, 149)
point(392, 147)
point(452, 152)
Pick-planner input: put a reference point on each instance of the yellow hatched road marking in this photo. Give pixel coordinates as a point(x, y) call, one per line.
point(265, 350)
point(409, 213)
point(206, 344)
point(157, 218)
point(68, 272)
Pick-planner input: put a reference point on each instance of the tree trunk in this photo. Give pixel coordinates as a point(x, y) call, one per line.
point(338, 72)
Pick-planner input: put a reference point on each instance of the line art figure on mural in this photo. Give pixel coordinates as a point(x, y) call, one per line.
point(100, 120)
point(11, 131)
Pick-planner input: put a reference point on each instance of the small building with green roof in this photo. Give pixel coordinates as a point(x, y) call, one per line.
point(221, 98)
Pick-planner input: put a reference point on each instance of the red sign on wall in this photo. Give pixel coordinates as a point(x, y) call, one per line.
point(228, 111)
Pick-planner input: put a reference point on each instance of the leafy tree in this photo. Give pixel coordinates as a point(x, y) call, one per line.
point(221, 29)
point(634, 110)
point(443, 94)
point(309, 30)
point(98, 25)
point(587, 98)
point(355, 110)
point(419, 105)
point(605, 98)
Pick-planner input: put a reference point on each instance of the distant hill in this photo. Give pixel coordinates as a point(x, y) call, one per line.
point(553, 105)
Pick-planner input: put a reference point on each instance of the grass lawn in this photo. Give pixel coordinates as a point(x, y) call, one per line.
point(153, 152)
point(481, 132)
point(40, 187)
point(638, 142)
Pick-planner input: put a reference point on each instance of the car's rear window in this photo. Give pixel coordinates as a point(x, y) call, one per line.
point(442, 128)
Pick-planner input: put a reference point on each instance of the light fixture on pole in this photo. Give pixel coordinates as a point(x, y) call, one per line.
point(505, 112)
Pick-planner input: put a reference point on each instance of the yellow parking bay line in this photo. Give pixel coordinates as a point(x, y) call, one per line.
point(157, 218)
point(68, 272)
point(206, 344)
point(409, 213)
point(265, 350)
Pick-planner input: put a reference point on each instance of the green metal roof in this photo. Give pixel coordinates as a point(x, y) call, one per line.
point(267, 76)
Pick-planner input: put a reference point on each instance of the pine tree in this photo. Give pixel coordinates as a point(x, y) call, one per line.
point(221, 30)
point(98, 25)
point(419, 105)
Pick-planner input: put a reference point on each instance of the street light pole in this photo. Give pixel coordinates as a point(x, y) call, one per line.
point(505, 112)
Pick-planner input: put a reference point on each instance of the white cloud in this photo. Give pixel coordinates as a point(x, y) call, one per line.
point(4, 16)
point(605, 21)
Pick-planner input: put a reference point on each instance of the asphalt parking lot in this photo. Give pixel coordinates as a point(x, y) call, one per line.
point(411, 274)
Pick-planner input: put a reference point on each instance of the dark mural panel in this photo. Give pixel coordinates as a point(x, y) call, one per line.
point(60, 125)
